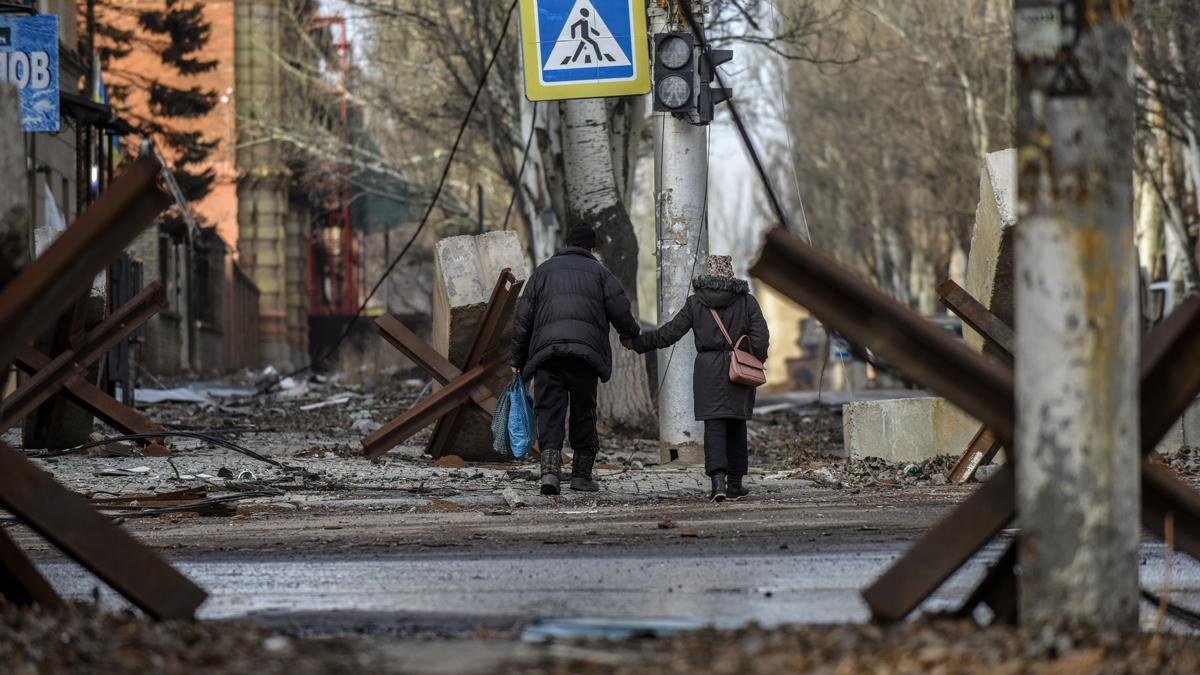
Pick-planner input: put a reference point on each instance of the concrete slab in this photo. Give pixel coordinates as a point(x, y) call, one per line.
point(990, 262)
point(906, 430)
point(466, 269)
point(1185, 433)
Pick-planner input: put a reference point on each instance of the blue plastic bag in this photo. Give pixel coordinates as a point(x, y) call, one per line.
point(521, 429)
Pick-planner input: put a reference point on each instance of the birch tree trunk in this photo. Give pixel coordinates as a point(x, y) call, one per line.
point(593, 196)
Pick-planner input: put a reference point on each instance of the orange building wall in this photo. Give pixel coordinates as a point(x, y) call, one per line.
point(219, 207)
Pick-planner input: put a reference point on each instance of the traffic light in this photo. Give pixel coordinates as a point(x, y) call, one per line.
point(674, 72)
point(710, 96)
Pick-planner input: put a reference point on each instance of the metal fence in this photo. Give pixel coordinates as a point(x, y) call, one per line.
point(241, 318)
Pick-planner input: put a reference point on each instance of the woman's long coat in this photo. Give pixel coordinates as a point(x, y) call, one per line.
point(715, 396)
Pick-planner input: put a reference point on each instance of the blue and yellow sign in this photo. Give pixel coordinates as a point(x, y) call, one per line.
point(29, 61)
point(584, 48)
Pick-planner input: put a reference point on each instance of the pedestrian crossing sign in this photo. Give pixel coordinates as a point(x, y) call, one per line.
point(584, 48)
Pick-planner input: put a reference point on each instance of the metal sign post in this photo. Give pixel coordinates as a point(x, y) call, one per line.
point(584, 48)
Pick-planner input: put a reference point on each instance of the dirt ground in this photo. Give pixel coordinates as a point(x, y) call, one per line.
point(323, 502)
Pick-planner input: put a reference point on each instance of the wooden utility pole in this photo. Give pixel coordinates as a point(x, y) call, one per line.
point(1076, 315)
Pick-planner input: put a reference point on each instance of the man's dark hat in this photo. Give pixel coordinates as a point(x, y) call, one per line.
point(582, 235)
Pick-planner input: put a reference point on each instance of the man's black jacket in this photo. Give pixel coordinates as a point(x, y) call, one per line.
point(565, 310)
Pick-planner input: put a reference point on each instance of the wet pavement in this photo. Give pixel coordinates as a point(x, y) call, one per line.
point(449, 595)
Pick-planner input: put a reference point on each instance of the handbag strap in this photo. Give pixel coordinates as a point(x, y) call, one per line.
point(725, 332)
point(721, 326)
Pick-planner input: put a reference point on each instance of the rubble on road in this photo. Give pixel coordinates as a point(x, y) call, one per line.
point(923, 646)
point(80, 638)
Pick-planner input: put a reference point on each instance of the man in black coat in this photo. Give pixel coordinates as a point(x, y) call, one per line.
point(561, 340)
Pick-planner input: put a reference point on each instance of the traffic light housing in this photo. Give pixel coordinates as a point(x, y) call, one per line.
point(674, 72)
point(710, 96)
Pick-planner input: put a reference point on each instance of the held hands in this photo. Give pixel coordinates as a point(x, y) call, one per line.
point(627, 343)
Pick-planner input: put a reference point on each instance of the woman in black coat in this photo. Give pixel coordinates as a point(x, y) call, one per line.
point(722, 405)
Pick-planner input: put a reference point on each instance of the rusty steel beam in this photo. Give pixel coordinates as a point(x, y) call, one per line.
point(1167, 390)
point(39, 294)
point(73, 363)
point(20, 581)
point(1162, 493)
point(942, 549)
point(92, 398)
point(1170, 381)
point(499, 312)
point(984, 446)
point(898, 335)
point(980, 451)
point(430, 409)
point(998, 590)
point(408, 343)
point(972, 312)
point(67, 521)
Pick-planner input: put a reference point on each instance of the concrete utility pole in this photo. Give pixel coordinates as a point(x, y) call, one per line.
point(680, 184)
point(1076, 316)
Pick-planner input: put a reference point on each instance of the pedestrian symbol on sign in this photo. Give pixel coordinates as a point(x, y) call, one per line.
point(585, 42)
point(586, 31)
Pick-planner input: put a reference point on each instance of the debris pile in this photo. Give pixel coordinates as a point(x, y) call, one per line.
point(79, 638)
point(792, 437)
point(924, 646)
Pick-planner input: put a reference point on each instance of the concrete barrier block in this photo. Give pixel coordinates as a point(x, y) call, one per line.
point(990, 261)
point(466, 270)
point(1185, 433)
point(906, 430)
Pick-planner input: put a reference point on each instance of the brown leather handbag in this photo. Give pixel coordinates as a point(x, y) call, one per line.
point(744, 367)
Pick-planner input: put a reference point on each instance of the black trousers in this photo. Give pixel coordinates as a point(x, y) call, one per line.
point(563, 383)
point(725, 447)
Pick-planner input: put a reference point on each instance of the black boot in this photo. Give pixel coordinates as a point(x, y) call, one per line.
point(581, 471)
point(718, 487)
point(735, 490)
point(551, 465)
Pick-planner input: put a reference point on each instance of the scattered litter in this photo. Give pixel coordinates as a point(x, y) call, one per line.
point(246, 475)
point(691, 533)
point(444, 505)
point(985, 473)
point(912, 471)
point(291, 390)
point(144, 505)
point(359, 414)
point(666, 524)
point(108, 449)
point(176, 395)
point(824, 476)
point(365, 427)
point(450, 462)
point(277, 644)
point(135, 471)
point(513, 498)
point(337, 400)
